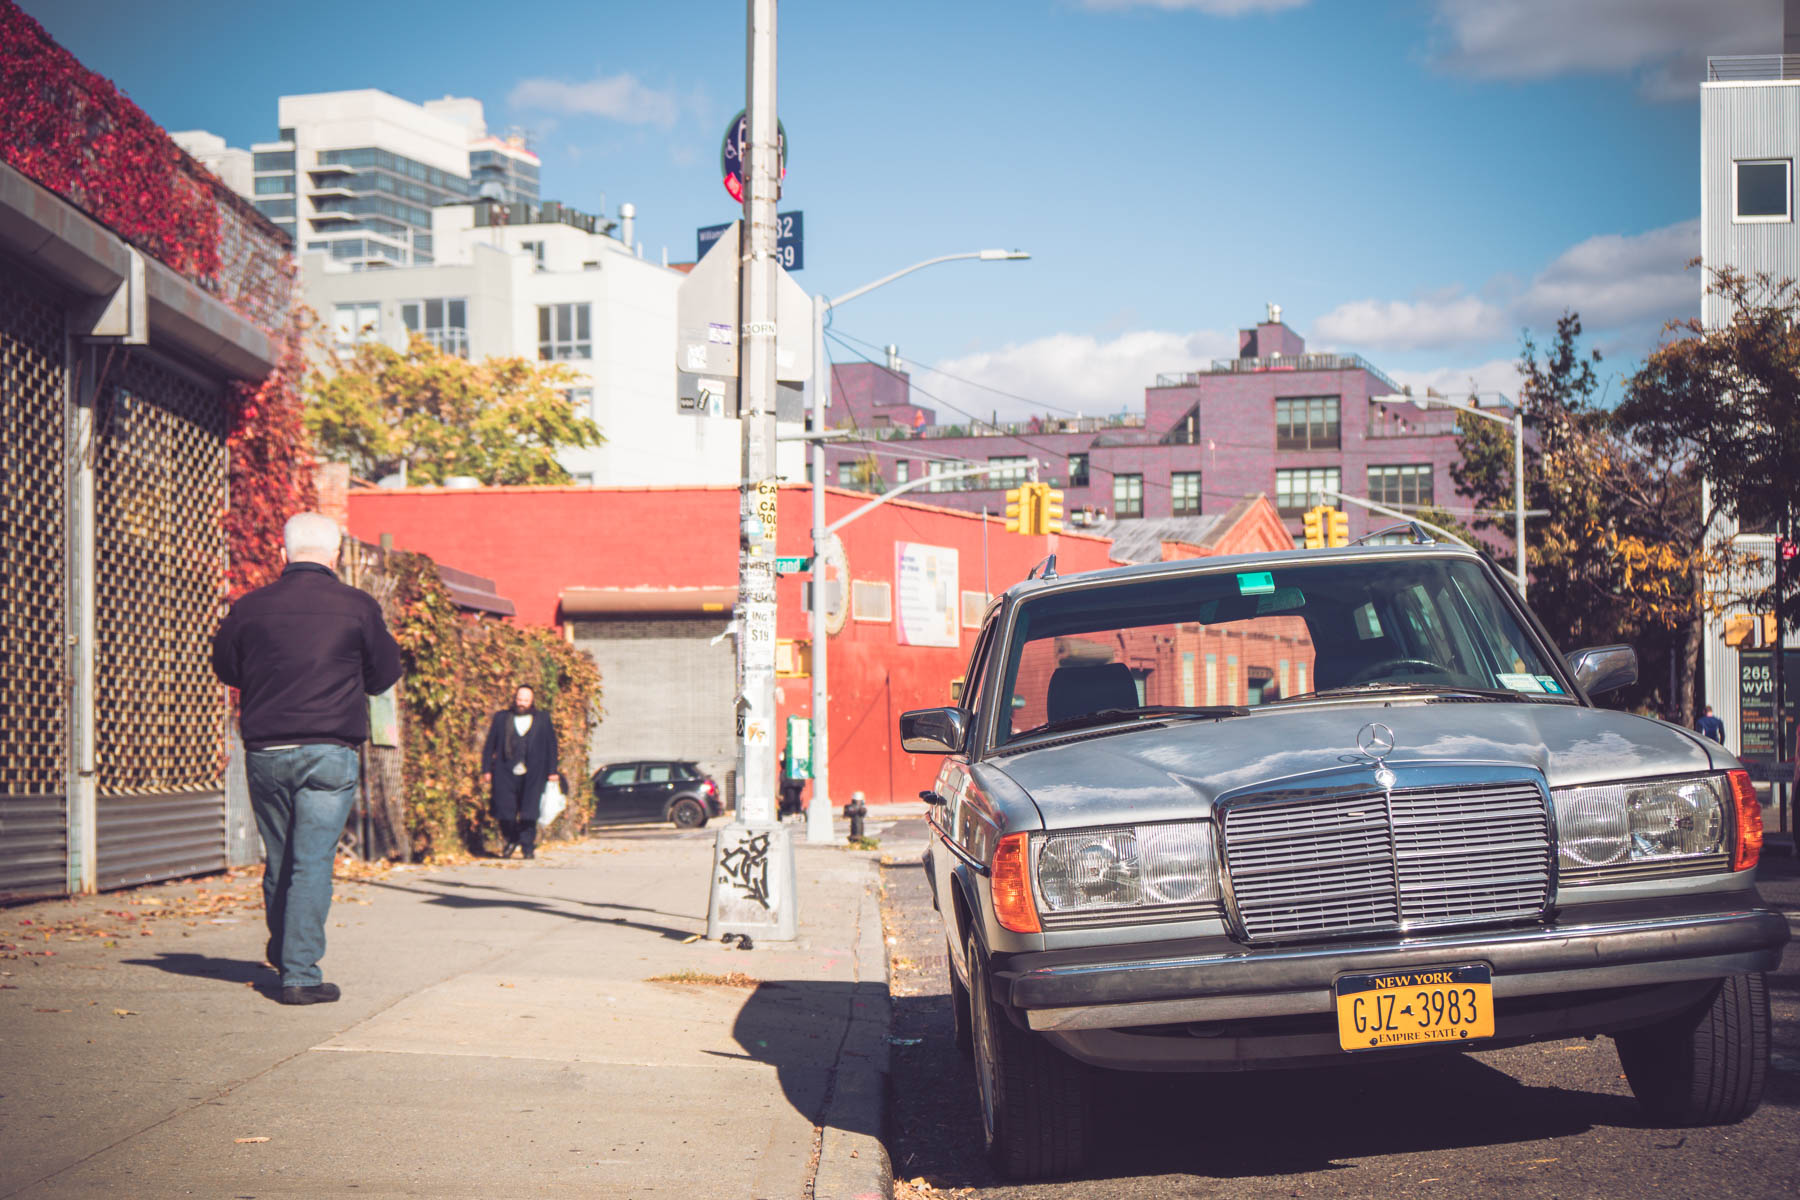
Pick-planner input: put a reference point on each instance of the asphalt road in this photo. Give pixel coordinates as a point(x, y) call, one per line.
point(1554, 1119)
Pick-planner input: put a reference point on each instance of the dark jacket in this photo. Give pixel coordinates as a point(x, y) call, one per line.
point(304, 652)
point(537, 749)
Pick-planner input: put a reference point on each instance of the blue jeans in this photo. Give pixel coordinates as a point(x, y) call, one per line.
point(301, 796)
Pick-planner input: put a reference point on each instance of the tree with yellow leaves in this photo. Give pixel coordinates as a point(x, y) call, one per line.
point(502, 420)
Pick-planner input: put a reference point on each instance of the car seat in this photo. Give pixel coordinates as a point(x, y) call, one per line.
point(1077, 691)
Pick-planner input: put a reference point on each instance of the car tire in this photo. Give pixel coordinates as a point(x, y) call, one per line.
point(687, 813)
point(1036, 1110)
point(960, 1016)
point(1707, 1066)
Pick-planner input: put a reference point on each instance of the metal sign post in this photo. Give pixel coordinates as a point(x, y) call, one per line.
point(753, 885)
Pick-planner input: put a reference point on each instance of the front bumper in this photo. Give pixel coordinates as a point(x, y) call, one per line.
point(1054, 992)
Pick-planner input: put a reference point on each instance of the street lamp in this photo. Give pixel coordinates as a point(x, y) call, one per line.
point(818, 816)
point(1517, 422)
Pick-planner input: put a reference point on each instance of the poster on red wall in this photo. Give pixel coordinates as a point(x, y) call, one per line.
point(925, 604)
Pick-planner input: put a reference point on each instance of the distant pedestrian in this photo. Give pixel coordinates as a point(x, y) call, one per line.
point(1710, 726)
point(303, 652)
point(517, 760)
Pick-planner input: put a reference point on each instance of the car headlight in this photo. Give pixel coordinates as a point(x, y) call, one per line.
point(1128, 867)
point(1618, 827)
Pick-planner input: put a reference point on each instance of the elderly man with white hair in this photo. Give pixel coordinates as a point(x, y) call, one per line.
point(304, 653)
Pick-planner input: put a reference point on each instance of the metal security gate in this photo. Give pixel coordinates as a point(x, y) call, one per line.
point(160, 471)
point(34, 731)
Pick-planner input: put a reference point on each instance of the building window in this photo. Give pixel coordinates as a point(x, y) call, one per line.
point(272, 160)
point(1306, 423)
point(1010, 471)
point(353, 323)
point(1078, 470)
point(1128, 496)
point(276, 210)
point(847, 473)
point(934, 469)
point(1408, 486)
point(536, 250)
point(1763, 191)
point(1294, 489)
point(902, 469)
point(274, 185)
point(1186, 432)
point(565, 331)
point(443, 323)
point(581, 400)
point(870, 601)
point(1184, 493)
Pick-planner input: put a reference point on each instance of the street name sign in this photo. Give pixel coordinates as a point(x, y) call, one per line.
point(790, 248)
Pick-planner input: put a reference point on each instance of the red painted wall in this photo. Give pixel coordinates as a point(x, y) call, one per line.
point(534, 542)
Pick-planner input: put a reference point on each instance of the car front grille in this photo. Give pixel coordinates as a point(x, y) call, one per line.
point(1416, 858)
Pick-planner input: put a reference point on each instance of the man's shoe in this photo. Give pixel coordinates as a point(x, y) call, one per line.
point(318, 993)
point(507, 850)
point(530, 853)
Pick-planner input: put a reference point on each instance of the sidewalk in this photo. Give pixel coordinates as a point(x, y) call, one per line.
point(500, 1035)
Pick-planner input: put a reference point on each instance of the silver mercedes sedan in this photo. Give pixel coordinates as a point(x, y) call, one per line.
point(1322, 806)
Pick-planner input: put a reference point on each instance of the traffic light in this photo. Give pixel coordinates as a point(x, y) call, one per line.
point(1021, 509)
point(1049, 509)
point(1771, 636)
point(1337, 527)
point(1314, 520)
point(1738, 629)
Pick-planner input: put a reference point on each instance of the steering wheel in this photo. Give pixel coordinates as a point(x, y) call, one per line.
point(1413, 666)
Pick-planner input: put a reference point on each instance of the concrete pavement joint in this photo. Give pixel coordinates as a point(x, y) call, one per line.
point(853, 1159)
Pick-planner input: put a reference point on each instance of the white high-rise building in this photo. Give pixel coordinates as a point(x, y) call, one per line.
point(547, 282)
point(354, 175)
point(229, 163)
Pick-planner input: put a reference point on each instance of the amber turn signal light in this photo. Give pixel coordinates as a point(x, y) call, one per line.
point(1748, 849)
point(1010, 876)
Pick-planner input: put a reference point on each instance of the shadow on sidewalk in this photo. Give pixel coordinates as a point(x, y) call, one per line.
point(526, 903)
point(803, 1028)
point(266, 981)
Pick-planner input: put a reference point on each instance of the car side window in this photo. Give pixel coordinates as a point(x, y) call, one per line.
point(659, 773)
point(972, 682)
point(685, 771)
point(620, 777)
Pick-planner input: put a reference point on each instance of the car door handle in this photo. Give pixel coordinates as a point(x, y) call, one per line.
point(930, 797)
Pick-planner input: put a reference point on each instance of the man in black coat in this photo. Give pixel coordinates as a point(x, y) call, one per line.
point(304, 653)
point(517, 760)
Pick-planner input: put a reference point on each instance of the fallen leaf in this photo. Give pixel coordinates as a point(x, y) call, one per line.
point(691, 939)
point(244, 1141)
point(125, 1012)
point(53, 1010)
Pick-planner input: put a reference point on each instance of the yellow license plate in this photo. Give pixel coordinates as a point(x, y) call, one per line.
point(1415, 1008)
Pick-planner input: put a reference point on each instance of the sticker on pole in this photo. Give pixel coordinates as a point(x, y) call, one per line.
point(731, 153)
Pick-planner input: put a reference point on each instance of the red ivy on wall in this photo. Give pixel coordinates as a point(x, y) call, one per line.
point(75, 133)
point(271, 466)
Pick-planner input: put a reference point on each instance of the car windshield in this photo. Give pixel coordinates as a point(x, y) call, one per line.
point(1263, 637)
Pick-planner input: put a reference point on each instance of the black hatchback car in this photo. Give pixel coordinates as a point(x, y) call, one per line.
point(659, 790)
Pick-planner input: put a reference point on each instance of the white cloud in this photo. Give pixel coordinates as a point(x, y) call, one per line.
point(1215, 8)
point(1447, 320)
point(1628, 285)
point(1497, 375)
point(616, 97)
point(1064, 373)
point(1663, 42)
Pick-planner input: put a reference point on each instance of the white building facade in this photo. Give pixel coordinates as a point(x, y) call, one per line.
point(547, 282)
point(1749, 140)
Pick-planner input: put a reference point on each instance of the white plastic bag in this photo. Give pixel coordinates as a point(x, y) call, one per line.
point(551, 806)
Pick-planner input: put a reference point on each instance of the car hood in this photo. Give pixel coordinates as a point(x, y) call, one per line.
point(1178, 770)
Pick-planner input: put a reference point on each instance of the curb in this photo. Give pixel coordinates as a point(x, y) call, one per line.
point(853, 1157)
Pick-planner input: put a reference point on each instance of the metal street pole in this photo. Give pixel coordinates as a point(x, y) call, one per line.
point(818, 812)
point(753, 863)
point(1517, 423)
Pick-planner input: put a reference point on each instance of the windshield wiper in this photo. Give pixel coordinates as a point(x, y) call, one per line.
point(1107, 716)
point(1436, 689)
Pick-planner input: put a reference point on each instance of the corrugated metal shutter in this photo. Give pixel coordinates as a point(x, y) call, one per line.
point(34, 846)
point(145, 838)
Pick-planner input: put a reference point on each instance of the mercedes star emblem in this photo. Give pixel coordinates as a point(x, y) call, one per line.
point(1377, 741)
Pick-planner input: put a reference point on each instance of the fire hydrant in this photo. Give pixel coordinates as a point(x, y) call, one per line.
point(856, 810)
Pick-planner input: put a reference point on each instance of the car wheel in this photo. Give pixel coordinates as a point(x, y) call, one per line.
point(687, 813)
point(1035, 1109)
point(959, 1008)
point(1705, 1067)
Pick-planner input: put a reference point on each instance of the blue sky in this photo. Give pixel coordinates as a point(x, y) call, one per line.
point(1413, 180)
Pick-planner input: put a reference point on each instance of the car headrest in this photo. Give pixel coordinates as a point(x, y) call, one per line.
point(1077, 691)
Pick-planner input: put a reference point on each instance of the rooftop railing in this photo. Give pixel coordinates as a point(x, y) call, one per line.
point(1277, 362)
point(1752, 68)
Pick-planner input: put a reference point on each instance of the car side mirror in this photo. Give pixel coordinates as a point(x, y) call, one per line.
point(1603, 668)
point(934, 730)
